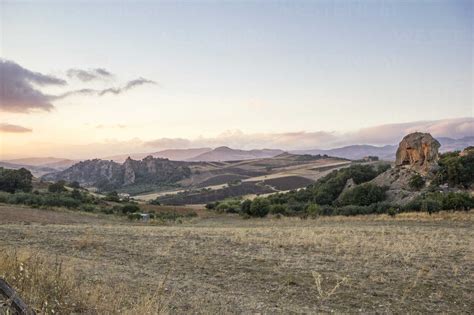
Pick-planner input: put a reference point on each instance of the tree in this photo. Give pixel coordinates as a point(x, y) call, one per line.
point(245, 206)
point(13, 180)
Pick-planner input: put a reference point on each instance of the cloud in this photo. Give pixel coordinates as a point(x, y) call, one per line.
point(89, 75)
point(393, 133)
point(9, 128)
point(19, 87)
point(115, 91)
point(378, 135)
point(18, 91)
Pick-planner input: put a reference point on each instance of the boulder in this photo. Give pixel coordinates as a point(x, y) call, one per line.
point(418, 152)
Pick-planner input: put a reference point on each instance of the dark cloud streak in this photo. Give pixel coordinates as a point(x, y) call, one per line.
point(115, 91)
point(9, 128)
point(17, 90)
point(89, 75)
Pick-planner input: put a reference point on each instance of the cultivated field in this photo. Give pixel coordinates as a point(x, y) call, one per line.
point(224, 264)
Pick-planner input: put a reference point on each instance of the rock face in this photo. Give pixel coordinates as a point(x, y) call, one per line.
point(419, 152)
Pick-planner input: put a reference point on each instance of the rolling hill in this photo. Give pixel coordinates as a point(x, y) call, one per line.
point(228, 154)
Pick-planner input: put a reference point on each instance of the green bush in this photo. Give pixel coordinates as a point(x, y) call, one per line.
point(455, 170)
point(112, 196)
point(416, 182)
point(57, 187)
point(313, 209)
point(130, 208)
point(245, 206)
point(278, 209)
point(15, 180)
point(259, 207)
point(363, 195)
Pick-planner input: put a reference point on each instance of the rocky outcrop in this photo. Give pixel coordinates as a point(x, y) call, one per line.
point(109, 175)
point(418, 152)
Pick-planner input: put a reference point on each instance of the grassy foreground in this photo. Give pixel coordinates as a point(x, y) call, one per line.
point(224, 264)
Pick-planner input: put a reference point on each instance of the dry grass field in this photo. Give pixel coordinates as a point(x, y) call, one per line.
point(412, 263)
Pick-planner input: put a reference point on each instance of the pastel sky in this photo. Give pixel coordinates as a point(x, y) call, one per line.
point(215, 69)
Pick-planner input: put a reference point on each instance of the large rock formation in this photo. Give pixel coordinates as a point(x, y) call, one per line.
point(419, 152)
point(109, 175)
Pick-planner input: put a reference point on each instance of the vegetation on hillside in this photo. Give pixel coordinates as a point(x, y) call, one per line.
point(330, 196)
point(456, 170)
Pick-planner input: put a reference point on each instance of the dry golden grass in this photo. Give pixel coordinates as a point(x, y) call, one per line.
point(413, 263)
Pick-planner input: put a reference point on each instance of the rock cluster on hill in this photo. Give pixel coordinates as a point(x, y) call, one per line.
point(107, 175)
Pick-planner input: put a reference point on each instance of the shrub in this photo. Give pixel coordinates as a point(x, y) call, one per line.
point(245, 206)
point(278, 209)
point(112, 196)
point(130, 208)
point(431, 205)
point(14, 180)
point(259, 207)
point(57, 187)
point(313, 209)
point(363, 195)
point(155, 202)
point(87, 208)
point(416, 182)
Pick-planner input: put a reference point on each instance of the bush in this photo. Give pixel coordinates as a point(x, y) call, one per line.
point(57, 187)
point(112, 196)
point(363, 195)
point(15, 180)
point(130, 208)
point(259, 207)
point(416, 182)
point(155, 202)
point(278, 209)
point(245, 206)
point(431, 205)
point(313, 210)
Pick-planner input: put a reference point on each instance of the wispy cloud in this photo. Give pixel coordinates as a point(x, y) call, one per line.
point(89, 75)
point(9, 128)
point(18, 92)
point(19, 87)
point(378, 135)
point(129, 85)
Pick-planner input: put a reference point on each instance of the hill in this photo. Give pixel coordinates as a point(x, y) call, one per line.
point(228, 154)
point(35, 170)
point(171, 154)
point(109, 175)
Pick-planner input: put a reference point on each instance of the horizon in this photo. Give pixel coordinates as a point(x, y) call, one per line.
point(278, 75)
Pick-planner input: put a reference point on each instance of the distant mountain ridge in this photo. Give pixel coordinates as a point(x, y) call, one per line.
point(227, 154)
point(170, 154)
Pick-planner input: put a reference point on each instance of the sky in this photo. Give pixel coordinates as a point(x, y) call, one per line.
point(95, 78)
